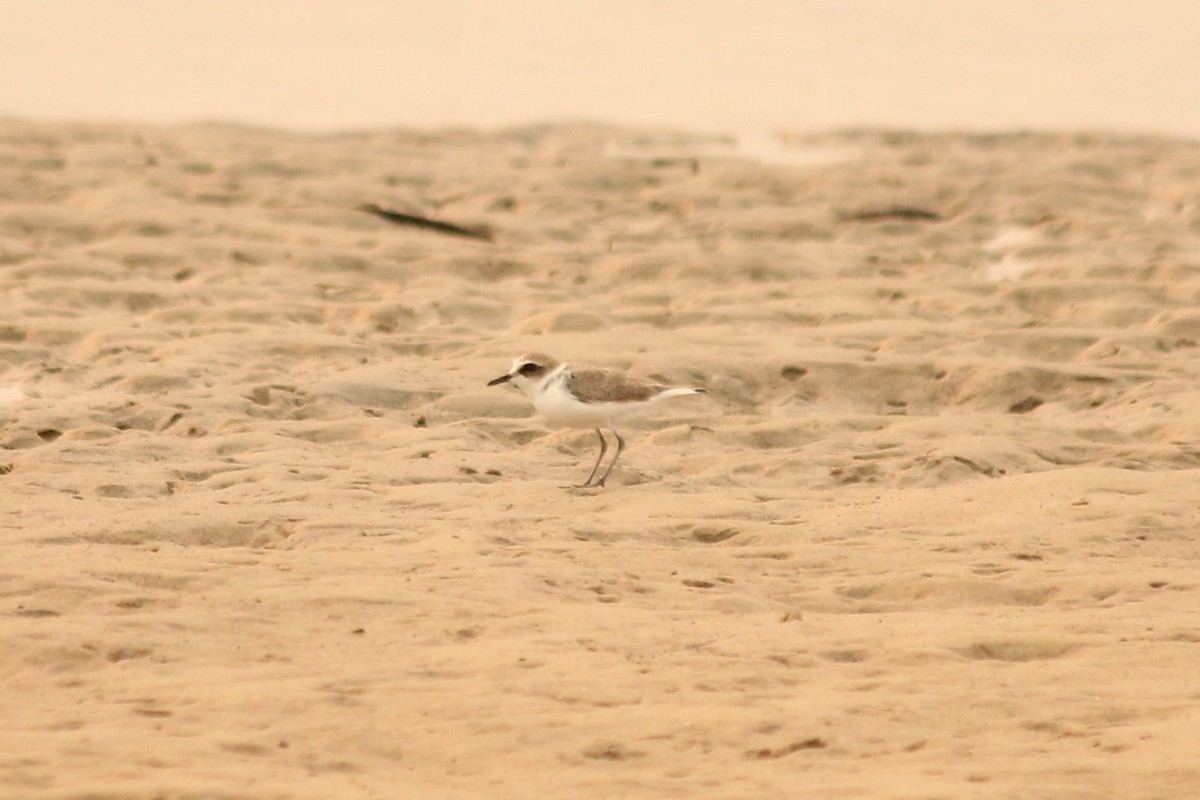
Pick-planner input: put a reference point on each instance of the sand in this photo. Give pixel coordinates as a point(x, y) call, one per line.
point(266, 533)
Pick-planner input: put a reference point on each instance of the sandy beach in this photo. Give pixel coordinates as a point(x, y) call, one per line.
point(267, 534)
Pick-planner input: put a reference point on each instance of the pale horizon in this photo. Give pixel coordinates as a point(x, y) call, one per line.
point(321, 65)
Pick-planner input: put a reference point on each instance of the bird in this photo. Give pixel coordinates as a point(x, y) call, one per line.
point(586, 397)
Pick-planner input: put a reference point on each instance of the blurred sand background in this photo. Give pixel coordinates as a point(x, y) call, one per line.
point(932, 534)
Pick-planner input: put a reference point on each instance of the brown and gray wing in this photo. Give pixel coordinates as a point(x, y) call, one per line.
point(602, 386)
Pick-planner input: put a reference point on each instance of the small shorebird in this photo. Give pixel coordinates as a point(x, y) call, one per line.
point(576, 397)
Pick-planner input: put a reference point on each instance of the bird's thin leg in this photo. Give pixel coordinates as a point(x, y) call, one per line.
point(613, 463)
point(603, 449)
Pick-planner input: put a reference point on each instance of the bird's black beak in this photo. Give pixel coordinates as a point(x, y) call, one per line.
point(500, 380)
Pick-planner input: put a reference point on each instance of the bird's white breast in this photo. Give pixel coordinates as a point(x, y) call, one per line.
point(560, 407)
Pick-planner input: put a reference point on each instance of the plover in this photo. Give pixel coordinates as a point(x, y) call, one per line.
point(585, 397)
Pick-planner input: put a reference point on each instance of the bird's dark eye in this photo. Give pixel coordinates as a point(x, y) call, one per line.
point(528, 368)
